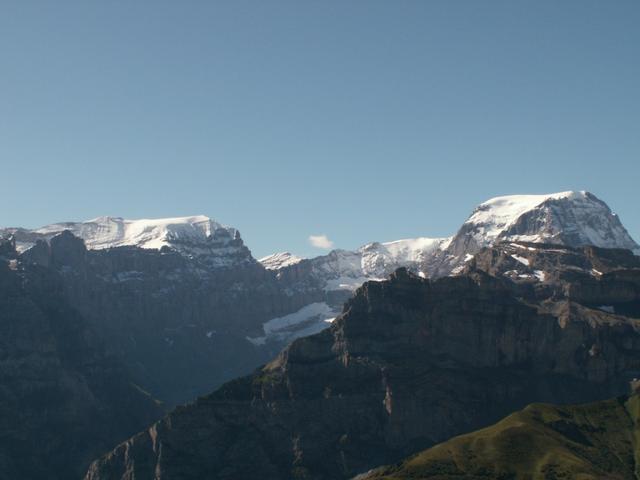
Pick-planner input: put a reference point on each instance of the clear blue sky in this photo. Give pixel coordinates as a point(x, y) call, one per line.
point(362, 120)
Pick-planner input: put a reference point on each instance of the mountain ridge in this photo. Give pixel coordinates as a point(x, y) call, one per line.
point(196, 236)
point(492, 218)
point(572, 218)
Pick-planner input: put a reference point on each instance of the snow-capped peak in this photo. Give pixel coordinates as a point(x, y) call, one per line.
point(568, 218)
point(279, 260)
point(498, 214)
point(197, 237)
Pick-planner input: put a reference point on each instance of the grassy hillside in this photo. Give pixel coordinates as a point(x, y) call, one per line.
point(583, 442)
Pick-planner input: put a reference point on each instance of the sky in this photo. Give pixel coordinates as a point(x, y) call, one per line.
point(315, 124)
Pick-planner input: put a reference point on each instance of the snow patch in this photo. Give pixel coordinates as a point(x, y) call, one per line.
point(310, 319)
point(523, 247)
point(280, 260)
point(520, 259)
point(540, 275)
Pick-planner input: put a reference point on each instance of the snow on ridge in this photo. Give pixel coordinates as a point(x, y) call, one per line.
point(378, 259)
point(197, 237)
point(109, 232)
point(497, 214)
point(581, 217)
point(409, 247)
point(348, 269)
point(279, 260)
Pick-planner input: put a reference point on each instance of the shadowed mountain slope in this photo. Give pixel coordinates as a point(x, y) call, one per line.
point(588, 442)
point(410, 363)
point(63, 399)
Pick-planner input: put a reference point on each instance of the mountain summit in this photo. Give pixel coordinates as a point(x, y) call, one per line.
point(196, 237)
point(567, 218)
point(108, 232)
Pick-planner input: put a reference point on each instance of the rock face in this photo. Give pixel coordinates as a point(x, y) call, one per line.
point(177, 298)
point(177, 322)
point(591, 442)
point(183, 302)
point(409, 363)
point(7, 247)
point(331, 279)
point(63, 399)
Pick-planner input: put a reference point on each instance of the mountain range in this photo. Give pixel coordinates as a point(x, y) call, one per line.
point(179, 306)
point(565, 218)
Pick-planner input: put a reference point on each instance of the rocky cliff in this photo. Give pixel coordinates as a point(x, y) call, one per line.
point(409, 363)
point(177, 322)
point(63, 398)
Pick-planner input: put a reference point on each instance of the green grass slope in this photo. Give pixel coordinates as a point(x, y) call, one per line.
point(582, 442)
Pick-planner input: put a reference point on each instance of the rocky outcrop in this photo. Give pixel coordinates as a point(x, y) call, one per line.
point(409, 363)
point(7, 246)
point(63, 398)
